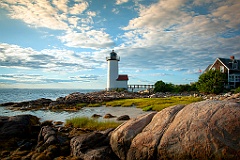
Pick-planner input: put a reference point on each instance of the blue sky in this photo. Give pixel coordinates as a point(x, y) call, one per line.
point(64, 43)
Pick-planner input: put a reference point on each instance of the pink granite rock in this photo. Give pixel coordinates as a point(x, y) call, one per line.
point(202, 130)
point(144, 145)
point(122, 136)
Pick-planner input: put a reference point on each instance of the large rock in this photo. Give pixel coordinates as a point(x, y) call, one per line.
point(205, 130)
point(19, 126)
point(144, 145)
point(14, 129)
point(48, 135)
point(202, 130)
point(123, 118)
point(92, 146)
point(122, 137)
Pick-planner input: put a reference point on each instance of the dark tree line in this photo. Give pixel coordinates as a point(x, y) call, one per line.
point(210, 82)
point(161, 86)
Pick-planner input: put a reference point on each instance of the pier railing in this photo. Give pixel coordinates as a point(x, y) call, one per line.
point(146, 86)
point(140, 86)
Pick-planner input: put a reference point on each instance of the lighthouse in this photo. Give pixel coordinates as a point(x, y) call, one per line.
point(114, 80)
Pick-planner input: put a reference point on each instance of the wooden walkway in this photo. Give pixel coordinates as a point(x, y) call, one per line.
point(140, 86)
point(147, 86)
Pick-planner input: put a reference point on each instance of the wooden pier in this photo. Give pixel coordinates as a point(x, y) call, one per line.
point(139, 86)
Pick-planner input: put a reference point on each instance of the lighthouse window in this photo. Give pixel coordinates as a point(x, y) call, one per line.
point(113, 55)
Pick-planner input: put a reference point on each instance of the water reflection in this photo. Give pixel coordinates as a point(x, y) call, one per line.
point(87, 111)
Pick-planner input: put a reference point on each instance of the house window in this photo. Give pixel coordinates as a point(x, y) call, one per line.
point(237, 78)
point(235, 65)
point(231, 78)
point(222, 69)
point(234, 78)
point(213, 68)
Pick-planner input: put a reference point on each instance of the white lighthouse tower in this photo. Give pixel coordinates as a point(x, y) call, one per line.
point(114, 80)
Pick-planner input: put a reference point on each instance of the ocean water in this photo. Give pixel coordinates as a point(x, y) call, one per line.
point(19, 95)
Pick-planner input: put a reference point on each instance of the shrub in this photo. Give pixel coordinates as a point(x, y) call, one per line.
point(237, 90)
point(185, 88)
point(211, 82)
point(160, 86)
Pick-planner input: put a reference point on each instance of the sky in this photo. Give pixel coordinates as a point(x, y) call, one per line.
point(64, 43)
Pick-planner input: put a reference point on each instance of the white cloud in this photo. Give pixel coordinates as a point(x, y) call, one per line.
point(229, 13)
point(90, 39)
point(84, 77)
point(43, 13)
point(166, 35)
point(159, 16)
point(38, 14)
point(121, 1)
point(24, 78)
point(60, 15)
point(73, 20)
point(91, 13)
point(115, 10)
point(21, 78)
point(79, 8)
point(61, 5)
point(54, 60)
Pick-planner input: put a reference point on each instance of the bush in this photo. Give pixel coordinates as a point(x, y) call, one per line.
point(211, 82)
point(185, 88)
point(160, 86)
point(237, 90)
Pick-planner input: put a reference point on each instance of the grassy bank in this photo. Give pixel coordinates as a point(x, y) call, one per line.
point(146, 104)
point(94, 124)
point(155, 104)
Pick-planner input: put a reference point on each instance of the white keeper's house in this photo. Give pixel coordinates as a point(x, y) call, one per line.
point(114, 80)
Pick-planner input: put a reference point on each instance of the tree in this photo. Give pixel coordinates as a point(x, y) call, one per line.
point(184, 88)
point(211, 82)
point(160, 86)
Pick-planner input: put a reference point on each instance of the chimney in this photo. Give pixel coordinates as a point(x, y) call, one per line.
point(232, 57)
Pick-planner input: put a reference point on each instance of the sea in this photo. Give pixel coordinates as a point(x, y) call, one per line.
point(20, 95)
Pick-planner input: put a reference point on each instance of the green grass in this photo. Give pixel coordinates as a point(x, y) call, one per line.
point(94, 105)
point(155, 104)
point(81, 105)
point(89, 123)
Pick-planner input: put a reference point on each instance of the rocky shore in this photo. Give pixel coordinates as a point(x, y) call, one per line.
point(203, 130)
point(70, 101)
point(77, 100)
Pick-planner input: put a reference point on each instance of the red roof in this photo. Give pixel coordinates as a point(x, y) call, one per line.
point(122, 78)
